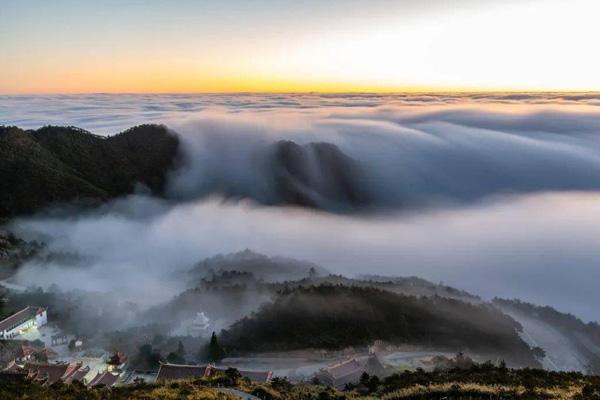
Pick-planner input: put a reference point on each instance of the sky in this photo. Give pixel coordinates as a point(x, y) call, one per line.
point(70, 46)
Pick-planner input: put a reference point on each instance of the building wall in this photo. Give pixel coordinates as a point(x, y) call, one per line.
point(15, 331)
point(41, 319)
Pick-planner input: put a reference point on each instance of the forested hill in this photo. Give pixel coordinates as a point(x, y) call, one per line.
point(334, 317)
point(58, 164)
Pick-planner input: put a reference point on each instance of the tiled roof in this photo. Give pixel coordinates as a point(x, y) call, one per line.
point(105, 378)
point(178, 371)
point(78, 375)
point(46, 373)
point(372, 364)
point(12, 366)
point(350, 370)
point(27, 351)
point(71, 369)
point(30, 350)
point(344, 368)
point(19, 317)
point(17, 374)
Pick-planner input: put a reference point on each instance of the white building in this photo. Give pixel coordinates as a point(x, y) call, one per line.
point(26, 318)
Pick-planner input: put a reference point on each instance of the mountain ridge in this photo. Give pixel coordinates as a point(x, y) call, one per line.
point(54, 164)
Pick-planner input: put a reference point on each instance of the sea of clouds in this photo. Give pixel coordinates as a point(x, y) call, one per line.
point(493, 193)
point(107, 114)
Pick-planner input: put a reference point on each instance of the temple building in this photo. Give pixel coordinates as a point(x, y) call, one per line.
point(342, 373)
point(47, 374)
point(170, 372)
point(105, 378)
point(20, 321)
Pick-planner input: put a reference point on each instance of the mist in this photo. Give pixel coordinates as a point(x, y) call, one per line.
point(497, 195)
point(406, 157)
point(540, 248)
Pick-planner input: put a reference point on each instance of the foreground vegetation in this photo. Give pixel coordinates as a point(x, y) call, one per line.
point(477, 382)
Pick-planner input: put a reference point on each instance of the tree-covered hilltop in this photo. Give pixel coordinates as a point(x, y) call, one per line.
point(54, 164)
point(234, 285)
point(261, 266)
point(334, 317)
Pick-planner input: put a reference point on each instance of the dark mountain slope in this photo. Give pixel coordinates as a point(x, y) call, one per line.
point(334, 317)
point(59, 164)
point(317, 175)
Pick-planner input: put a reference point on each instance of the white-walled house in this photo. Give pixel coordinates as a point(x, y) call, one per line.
point(26, 318)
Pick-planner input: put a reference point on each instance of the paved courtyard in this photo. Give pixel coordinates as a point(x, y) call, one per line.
point(44, 334)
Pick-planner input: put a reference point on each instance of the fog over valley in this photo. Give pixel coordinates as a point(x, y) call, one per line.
point(501, 203)
point(495, 195)
point(541, 248)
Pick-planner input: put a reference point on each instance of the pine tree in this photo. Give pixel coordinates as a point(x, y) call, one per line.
point(215, 352)
point(180, 349)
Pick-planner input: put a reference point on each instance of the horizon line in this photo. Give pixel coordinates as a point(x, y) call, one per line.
point(260, 92)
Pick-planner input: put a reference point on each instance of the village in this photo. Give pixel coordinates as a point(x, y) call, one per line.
point(36, 350)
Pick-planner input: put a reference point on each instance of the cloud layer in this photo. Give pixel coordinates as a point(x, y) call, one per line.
point(496, 194)
point(543, 248)
point(112, 113)
point(408, 156)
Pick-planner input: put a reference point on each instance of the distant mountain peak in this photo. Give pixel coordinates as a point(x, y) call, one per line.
point(260, 265)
